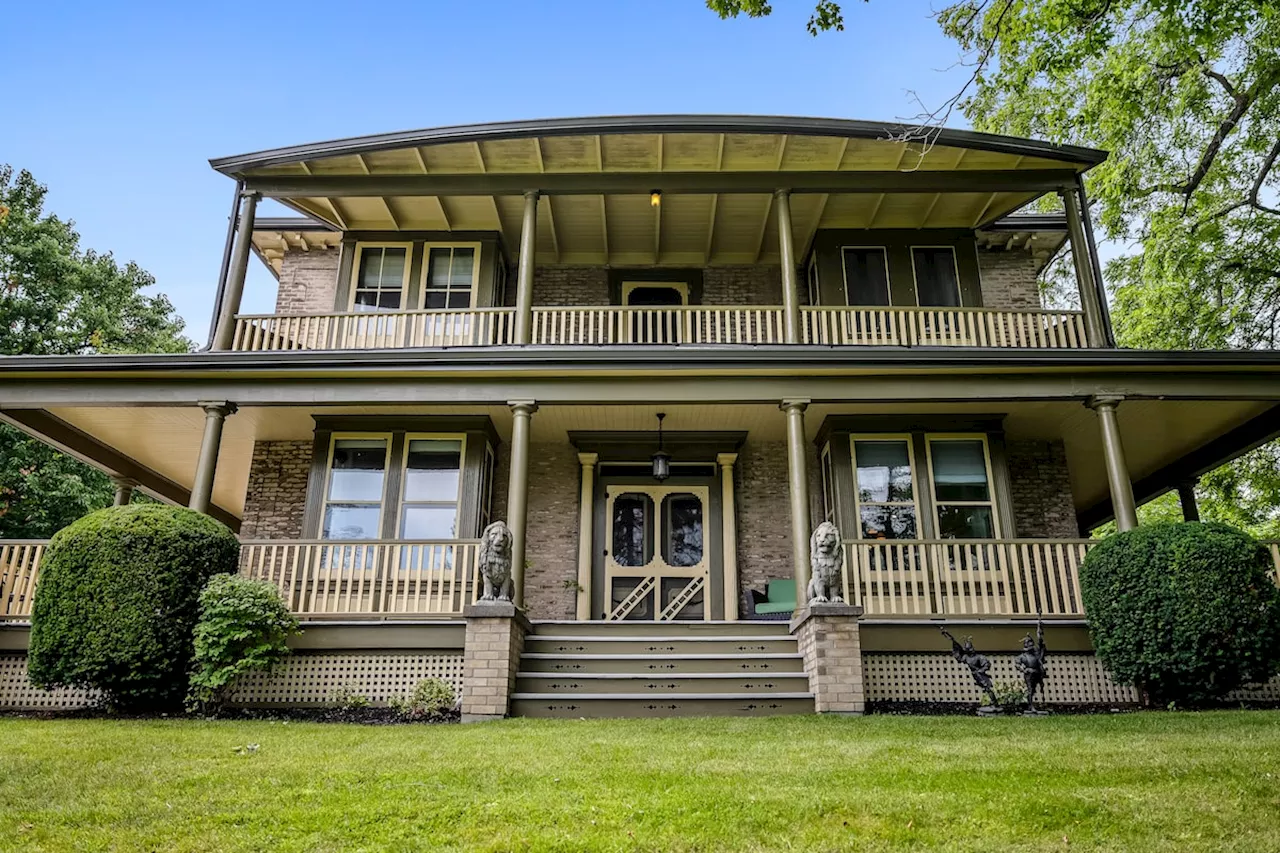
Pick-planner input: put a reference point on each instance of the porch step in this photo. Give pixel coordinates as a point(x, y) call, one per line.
point(646, 669)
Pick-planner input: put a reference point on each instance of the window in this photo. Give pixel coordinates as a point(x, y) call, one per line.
point(815, 294)
point(432, 477)
point(866, 275)
point(961, 474)
point(448, 276)
point(381, 277)
point(885, 487)
point(655, 293)
point(937, 279)
point(354, 489)
point(682, 530)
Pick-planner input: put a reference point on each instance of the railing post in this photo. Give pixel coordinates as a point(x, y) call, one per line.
point(1094, 322)
point(225, 329)
point(215, 413)
point(790, 283)
point(798, 490)
point(524, 279)
point(1122, 502)
point(518, 493)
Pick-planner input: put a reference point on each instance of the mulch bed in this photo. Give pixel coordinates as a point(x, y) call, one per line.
point(362, 716)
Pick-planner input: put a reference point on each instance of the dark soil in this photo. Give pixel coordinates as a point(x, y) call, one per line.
point(368, 716)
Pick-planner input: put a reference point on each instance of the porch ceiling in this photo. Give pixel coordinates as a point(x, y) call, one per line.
point(1156, 432)
point(716, 175)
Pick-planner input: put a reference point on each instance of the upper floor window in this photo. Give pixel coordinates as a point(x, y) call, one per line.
point(866, 275)
point(937, 277)
point(449, 276)
point(381, 277)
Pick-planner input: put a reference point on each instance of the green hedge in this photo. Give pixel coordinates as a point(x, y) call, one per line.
point(117, 602)
point(1185, 612)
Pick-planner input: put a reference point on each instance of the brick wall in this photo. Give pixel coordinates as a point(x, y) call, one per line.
point(831, 646)
point(552, 550)
point(582, 285)
point(566, 285)
point(1009, 280)
point(276, 497)
point(1040, 488)
point(308, 282)
point(742, 285)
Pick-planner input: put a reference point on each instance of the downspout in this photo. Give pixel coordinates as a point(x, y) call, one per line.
point(232, 224)
point(1097, 264)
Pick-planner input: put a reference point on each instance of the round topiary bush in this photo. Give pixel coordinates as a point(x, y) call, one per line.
point(117, 602)
point(1185, 612)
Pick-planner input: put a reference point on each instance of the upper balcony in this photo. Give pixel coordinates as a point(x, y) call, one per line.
point(661, 231)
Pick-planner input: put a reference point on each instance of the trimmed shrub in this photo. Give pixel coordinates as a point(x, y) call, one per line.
point(431, 699)
point(1185, 612)
point(244, 625)
point(117, 602)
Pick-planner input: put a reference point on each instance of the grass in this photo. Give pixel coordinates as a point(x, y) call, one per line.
point(1162, 781)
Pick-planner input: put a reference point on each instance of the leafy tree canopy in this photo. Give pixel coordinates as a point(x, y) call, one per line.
point(59, 299)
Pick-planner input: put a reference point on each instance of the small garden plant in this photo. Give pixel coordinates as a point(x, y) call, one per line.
point(431, 699)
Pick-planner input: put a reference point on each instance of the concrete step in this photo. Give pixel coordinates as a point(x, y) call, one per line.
point(666, 705)
point(663, 664)
point(561, 684)
point(662, 629)
point(657, 645)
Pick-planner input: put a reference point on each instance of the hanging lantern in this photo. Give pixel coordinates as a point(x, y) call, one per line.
point(661, 459)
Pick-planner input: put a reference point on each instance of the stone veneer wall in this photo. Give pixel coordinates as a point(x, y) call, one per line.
point(308, 282)
point(1010, 280)
point(1040, 490)
point(276, 497)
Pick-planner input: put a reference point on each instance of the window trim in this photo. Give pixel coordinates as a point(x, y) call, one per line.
point(991, 501)
point(328, 480)
point(400, 501)
point(681, 287)
point(955, 265)
point(888, 283)
point(426, 264)
point(354, 284)
point(858, 502)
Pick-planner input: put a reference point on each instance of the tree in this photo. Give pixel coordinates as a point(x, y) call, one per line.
point(59, 299)
point(1186, 97)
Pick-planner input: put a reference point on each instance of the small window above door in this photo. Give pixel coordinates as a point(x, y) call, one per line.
point(655, 293)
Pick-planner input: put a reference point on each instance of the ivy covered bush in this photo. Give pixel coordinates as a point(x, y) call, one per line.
point(118, 599)
point(244, 625)
point(1185, 612)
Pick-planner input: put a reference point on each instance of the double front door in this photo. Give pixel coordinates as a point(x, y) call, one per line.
point(658, 554)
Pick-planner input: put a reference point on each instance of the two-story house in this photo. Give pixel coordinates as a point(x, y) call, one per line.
point(662, 349)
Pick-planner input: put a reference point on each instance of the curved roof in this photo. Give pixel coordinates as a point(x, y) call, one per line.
point(619, 125)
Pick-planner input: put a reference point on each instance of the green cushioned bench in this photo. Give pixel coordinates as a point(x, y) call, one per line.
point(778, 601)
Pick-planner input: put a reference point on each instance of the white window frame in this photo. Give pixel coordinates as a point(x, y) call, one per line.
point(681, 287)
point(992, 502)
point(404, 283)
point(955, 265)
point(426, 268)
point(402, 502)
point(859, 503)
point(328, 480)
point(888, 284)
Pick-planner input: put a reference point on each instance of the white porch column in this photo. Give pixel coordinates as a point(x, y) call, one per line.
point(1122, 502)
point(586, 527)
point(790, 282)
point(729, 527)
point(225, 331)
point(524, 278)
point(518, 493)
point(1094, 324)
point(215, 413)
point(798, 489)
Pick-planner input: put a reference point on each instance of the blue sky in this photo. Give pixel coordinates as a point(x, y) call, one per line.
point(119, 110)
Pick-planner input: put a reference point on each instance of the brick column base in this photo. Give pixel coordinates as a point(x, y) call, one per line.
point(828, 638)
point(494, 642)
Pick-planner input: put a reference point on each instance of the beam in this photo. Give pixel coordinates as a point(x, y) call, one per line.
point(57, 433)
point(391, 214)
point(640, 183)
point(551, 231)
point(604, 227)
point(711, 229)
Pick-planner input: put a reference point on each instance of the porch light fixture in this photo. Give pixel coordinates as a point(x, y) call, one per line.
point(661, 459)
point(655, 198)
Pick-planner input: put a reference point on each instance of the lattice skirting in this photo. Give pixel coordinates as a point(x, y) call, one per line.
point(320, 679)
point(1075, 679)
point(17, 694)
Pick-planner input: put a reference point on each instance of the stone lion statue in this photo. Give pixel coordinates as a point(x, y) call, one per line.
point(495, 562)
point(826, 558)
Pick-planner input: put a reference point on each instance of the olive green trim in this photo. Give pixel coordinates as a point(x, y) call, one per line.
point(638, 446)
point(410, 423)
point(940, 422)
point(888, 635)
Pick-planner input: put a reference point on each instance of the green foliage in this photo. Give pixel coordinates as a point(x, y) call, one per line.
point(118, 601)
point(431, 699)
point(59, 299)
point(1184, 612)
point(244, 625)
point(1010, 696)
point(827, 14)
point(348, 698)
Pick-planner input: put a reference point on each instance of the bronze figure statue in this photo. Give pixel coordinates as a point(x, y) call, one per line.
point(979, 666)
point(1030, 663)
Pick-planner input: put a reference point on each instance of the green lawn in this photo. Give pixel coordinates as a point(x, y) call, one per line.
point(1167, 782)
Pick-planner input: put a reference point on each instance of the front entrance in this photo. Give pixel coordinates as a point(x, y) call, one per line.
point(657, 555)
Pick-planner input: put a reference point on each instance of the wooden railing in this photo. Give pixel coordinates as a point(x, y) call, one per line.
point(943, 327)
point(19, 570)
point(324, 577)
point(701, 324)
point(477, 327)
point(965, 577)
